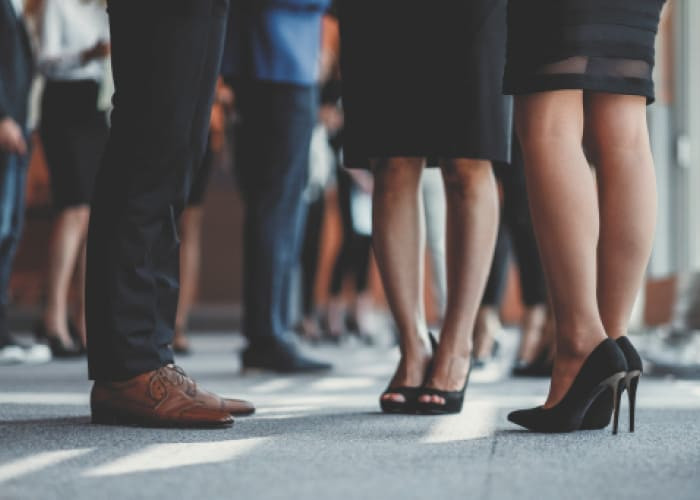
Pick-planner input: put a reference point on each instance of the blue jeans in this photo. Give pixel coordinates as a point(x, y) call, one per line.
point(272, 163)
point(13, 177)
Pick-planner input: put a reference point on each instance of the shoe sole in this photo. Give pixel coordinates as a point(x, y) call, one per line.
point(101, 417)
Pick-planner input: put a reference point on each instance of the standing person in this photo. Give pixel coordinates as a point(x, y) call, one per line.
point(165, 59)
point(353, 258)
point(516, 234)
point(16, 74)
point(193, 215)
point(73, 51)
point(272, 64)
point(428, 86)
point(582, 73)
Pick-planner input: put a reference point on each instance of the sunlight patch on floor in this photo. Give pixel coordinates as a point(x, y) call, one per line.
point(170, 455)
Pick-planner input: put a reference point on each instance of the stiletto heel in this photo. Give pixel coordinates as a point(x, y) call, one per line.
point(601, 411)
point(632, 381)
point(618, 389)
point(410, 394)
point(601, 376)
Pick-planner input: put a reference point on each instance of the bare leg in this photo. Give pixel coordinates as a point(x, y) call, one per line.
point(398, 238)
point(190, 254)
point(80, 306)
point(565, 217)
point(486, 329)
point(67, 240)
point(472, 226)
point(619, 139)
point(531, 339)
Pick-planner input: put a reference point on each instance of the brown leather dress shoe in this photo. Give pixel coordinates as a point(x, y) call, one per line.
point(166, 397)
point(236, 407)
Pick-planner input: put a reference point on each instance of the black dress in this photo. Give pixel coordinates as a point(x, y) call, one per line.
point(74, 134)
point(424, 79)
point(597, 45)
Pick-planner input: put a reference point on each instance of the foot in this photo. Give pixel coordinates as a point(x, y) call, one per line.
point(58, 340)
point(486, 330)
point(181, 345)
point(532, 337)
point(282, 359)
point(309, 329)
point(568, 360)
point(450, 374)
point(15, 352)
point(409, 373)
point(335, 319)
point(165, 397)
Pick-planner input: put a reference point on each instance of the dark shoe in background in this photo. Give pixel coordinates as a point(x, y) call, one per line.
point(282, 358)
point(59, 350)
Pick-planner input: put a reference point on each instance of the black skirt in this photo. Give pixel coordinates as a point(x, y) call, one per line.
point(596, 45)
point(74, 134)
point(424, 79)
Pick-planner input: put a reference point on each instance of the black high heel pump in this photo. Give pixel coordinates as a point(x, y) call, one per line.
point(603, 372)
point(601, 411)
point(410, 394)
point(58, 348)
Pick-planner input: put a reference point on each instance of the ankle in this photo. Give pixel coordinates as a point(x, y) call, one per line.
point(577, 346)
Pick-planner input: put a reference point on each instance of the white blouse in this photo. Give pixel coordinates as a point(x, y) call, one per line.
point(67, 28)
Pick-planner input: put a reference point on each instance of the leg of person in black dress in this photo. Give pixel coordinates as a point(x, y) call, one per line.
point(407, 98)
point(165, 59)
point(595, 240)
point(74, 133)
point(398, 237)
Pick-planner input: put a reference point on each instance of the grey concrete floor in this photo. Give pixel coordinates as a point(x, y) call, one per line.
point(323, 437)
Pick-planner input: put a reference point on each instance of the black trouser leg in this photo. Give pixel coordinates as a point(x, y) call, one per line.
point(165, 58)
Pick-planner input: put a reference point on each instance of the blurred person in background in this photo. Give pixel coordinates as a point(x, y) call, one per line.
point(324, 157)
point(353, 259)
point(73, 53)
point(322, 163)
point(517, 236)
point(408, 97)
point(272, 63)
point(16, 75)
point(435, 211)
point(191, 219)
point(165, 58)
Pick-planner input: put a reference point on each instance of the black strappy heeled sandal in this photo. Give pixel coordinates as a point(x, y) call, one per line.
point(602, 375)
point(410, 394)
point(601, 411)
point(454, 400)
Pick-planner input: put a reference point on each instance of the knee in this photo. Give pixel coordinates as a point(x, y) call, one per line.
point(78, 215)
point(545, 121)
point(396, 177)
point(467, 178)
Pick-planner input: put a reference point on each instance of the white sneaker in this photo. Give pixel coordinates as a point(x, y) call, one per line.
point(37, 353)
point(12, 354)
